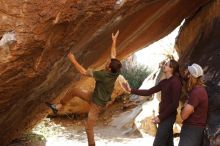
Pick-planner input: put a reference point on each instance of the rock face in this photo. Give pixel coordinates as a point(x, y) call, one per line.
point(34, 69)
point(198, 42)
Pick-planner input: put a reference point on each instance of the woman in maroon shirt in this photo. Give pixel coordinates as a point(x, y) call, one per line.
point(194, 113)
point(170, 93)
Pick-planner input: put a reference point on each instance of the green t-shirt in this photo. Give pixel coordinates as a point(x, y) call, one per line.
point(104, 86)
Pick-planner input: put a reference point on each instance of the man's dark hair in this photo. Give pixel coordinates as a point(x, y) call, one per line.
point(175, 65)
point(115, 66)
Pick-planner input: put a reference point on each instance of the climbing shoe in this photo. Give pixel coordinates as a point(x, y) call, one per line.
point(52, 107)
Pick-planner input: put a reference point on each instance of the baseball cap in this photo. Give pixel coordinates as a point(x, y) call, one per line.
point(195, 70)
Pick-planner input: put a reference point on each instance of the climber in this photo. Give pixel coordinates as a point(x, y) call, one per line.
point(105, 80)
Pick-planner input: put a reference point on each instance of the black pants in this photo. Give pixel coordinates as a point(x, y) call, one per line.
point(191, 136)
point(164, 135)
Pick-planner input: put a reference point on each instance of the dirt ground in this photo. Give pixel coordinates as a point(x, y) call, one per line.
point(70, 132)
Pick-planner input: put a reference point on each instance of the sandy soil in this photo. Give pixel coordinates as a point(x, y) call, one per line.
point(69, 132)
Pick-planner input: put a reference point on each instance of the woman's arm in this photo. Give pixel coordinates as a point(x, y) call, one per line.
point(186, 111)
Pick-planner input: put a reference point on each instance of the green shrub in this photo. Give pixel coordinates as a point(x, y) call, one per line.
point(136, 74)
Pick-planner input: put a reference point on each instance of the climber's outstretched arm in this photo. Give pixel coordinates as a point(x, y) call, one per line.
point(78, 67)
point(113, 48)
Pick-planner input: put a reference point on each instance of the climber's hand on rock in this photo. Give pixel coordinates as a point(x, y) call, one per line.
point(71, 56)
point(114, 36)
